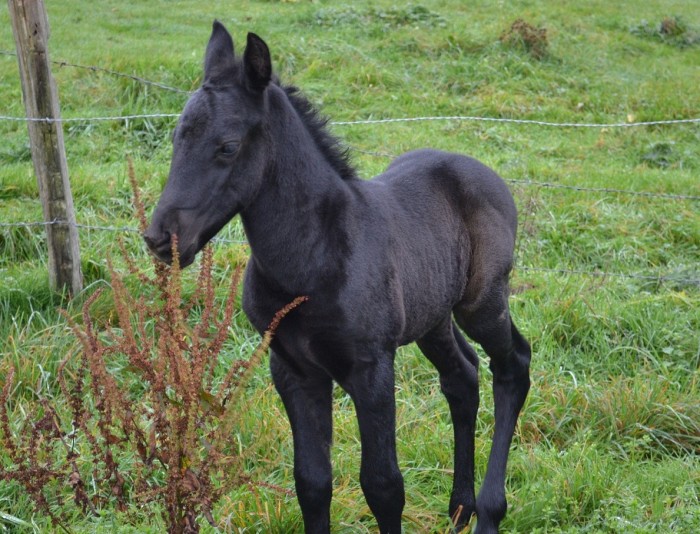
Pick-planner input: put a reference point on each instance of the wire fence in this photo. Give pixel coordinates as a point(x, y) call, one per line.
point(116, 74)
point(368, 121)
point(453, 118)
point(657, 277)
point(101, 228)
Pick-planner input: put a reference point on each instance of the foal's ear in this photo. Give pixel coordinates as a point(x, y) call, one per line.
point(257, 63)
point(219, 63)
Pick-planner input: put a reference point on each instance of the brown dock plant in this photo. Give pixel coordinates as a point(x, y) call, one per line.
point(144, 418)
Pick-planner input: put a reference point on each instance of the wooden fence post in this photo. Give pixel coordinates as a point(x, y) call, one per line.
point(31, 30)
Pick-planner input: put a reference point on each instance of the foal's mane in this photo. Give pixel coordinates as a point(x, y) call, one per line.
point(317, 125)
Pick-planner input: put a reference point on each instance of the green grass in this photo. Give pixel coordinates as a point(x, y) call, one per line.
point(609, 439)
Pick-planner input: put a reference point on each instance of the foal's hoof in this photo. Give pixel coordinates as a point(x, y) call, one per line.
point(489, 514)
point(461, 518)
point(485, 528)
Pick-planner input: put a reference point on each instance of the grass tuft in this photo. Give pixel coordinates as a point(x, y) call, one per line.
point(524, 36)
point(673, 31)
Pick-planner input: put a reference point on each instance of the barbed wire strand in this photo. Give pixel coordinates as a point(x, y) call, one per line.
point(459, 118)
point(535, 183)
point(123, 75)
point(660, 278)
point(467, 118)
point(90, 119)
point(648, 194)
point(92, 227)
point(111, 72)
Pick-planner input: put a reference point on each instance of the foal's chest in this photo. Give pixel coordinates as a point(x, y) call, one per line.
point(309, 337)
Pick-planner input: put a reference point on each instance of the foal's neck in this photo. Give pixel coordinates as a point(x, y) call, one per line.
point(296, 226)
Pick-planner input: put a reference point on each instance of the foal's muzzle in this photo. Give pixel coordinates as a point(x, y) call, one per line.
point(159, 244)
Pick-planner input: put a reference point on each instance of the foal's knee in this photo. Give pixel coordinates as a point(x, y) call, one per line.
point(381, 487)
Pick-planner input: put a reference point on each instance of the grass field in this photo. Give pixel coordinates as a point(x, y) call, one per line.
point(609, 440)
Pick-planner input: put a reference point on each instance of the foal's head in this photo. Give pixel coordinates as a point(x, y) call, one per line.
point(220, 149)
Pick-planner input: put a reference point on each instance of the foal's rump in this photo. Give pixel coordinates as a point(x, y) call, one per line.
point(458, 200)
point(466, 183)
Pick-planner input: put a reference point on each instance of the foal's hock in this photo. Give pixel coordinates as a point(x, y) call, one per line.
point(410, 255)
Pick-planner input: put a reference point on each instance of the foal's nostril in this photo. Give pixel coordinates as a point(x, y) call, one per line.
point(154, 242)
point(148, 240)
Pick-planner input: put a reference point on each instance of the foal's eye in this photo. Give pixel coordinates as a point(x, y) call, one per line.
point(228, 149)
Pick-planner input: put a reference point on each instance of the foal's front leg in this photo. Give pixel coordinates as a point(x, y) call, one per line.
point(371, 386)
point(307, 399)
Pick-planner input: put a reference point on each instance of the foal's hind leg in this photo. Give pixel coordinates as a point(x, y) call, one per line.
point(457, 364)
point(308, 401)
point(485, 317)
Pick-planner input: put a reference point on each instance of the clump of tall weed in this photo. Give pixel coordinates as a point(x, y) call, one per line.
point(524, 36)
point(673, 31)
point(142, 418)
point(390, 17)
